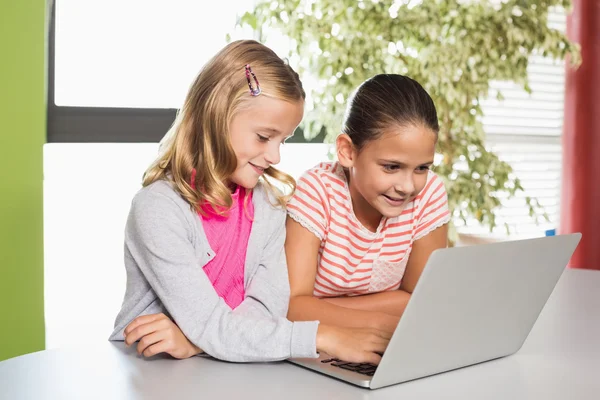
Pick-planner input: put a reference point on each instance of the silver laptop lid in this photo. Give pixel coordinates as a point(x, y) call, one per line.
point(474, 304)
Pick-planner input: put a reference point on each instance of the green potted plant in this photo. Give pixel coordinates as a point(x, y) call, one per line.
point(453, 48)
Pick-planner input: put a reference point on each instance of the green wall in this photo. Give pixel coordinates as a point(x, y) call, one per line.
point(22, 135)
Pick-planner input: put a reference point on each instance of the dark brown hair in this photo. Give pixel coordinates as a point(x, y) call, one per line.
point(387, 100)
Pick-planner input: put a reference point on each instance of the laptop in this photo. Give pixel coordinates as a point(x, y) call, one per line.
point(471, 304)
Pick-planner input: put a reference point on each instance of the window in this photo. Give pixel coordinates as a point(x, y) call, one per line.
point(525, 130)
point(119, 69)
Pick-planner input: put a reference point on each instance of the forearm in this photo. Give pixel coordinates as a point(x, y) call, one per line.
point(392, 302)
point(309, 308)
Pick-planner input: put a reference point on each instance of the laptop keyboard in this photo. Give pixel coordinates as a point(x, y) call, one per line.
point(361, 368)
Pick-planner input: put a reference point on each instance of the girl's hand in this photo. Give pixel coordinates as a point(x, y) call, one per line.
point(158, 334)
point(387, 323)
point(352, 344)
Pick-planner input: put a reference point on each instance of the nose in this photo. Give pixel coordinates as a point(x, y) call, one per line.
point(406, 184)
point(272, 156)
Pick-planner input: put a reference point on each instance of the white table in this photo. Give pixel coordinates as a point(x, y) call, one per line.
point(559, 361)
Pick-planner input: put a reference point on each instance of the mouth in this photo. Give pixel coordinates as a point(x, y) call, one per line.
point(259, 170)
point(394, 201)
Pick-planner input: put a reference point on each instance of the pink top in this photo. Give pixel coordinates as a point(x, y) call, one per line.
point(353, 260)
point(228, 237)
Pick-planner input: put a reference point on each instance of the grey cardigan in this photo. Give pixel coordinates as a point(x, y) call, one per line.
point(165, 250)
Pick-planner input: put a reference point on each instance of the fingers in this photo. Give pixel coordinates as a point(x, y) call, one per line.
point(144, 330)
point(372, 358)
point(149, 340)
point(383, 334)
point(378, 347)
point(371, 345)
point(144, 319)
point(160, 347)
point(361, 356)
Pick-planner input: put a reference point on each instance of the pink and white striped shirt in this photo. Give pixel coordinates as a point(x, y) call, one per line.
point(353, 260)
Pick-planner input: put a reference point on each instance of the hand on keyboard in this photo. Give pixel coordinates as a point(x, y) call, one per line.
point(357, 345)
point(361, 368)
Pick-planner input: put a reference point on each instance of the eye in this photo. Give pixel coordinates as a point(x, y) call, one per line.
point(391, 167)
point(262, 138)
point(423, 168)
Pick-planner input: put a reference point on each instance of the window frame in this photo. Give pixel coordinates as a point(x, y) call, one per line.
point(71, 124)
point(67, 124)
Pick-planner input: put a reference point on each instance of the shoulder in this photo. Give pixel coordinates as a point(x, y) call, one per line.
point(433, 199)
point(433, 177)
point(157, 192)
point(327, 179)
point(265, 202)
point(436, 182)
point(159, 198)
point(323, 171)
point(435, 186)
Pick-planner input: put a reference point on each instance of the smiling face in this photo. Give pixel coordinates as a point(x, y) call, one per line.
point(388, 172)
point(257, 132)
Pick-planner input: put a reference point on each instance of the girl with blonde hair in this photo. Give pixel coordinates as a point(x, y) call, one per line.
point(204, 240)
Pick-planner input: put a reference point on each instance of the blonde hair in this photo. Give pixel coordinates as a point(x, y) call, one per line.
point(199, 137)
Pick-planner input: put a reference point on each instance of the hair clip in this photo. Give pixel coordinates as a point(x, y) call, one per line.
point(253, 91)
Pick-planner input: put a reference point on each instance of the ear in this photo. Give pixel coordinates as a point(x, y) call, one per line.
point(346, 152)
